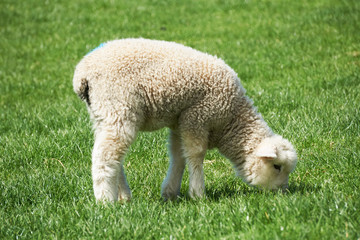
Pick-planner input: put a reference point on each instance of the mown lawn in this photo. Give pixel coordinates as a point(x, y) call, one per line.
point(298, 60)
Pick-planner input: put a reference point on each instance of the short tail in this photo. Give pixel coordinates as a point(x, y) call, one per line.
point(81, 88)
point(84, 91)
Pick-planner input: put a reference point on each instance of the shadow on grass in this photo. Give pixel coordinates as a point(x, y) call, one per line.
point(228, 191)
point(302, 188)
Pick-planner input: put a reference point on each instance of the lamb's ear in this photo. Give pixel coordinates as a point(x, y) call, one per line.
point(266, 151)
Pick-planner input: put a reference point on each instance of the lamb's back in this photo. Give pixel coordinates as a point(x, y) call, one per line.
point(163, 78)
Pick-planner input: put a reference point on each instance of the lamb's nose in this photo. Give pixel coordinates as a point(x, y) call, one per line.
point(285, 188)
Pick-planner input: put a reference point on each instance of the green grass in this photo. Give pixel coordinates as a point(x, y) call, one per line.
point(298, 60)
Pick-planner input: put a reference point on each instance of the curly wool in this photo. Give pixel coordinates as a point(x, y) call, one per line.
point(133, 85)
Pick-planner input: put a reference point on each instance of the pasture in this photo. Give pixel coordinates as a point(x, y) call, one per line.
point(298, 60)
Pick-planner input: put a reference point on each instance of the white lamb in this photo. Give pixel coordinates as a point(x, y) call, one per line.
point(133, 85)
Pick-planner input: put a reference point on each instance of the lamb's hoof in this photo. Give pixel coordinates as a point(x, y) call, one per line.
point(200, 194)
point(170, 196)
point(124, 197)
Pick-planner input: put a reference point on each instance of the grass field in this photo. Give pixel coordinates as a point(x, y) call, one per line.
point(298, 60)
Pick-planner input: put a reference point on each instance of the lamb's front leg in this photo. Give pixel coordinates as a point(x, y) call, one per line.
point(195, 146)
point(107, 172)
point(172, 183)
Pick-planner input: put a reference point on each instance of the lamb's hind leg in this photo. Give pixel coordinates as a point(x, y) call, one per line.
point(124, 189)
point(111, 144)
point(172, 183)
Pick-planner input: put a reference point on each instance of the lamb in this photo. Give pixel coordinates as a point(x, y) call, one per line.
point(132, 85)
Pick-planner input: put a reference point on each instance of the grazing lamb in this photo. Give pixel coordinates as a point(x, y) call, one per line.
point(133, 85)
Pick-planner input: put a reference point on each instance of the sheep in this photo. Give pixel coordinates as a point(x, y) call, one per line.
point(132, 85)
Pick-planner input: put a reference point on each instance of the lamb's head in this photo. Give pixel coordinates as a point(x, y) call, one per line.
point(270, 164)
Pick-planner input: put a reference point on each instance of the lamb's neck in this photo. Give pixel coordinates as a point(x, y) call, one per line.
point(244, 133)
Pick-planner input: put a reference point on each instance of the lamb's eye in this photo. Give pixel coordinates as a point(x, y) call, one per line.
point(277, 167)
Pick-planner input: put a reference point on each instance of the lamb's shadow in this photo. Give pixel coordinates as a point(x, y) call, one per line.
point(233, 190)
point(302, 188)
point(228, 191)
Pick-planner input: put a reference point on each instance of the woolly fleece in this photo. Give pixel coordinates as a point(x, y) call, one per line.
point(133, 85)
